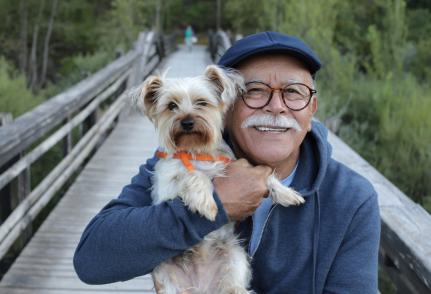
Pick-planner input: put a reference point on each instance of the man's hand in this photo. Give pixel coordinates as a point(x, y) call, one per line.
point(242, 188)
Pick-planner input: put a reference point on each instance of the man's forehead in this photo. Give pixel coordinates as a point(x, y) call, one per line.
point(280, 67)
point(281, 80)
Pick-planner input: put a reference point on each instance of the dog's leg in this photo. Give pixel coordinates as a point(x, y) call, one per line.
point(157, 284)
point(281, 194)
point(237, 272)
point(164, 279)
point(197, 194)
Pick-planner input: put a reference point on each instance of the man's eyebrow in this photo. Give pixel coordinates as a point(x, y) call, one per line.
point(287, 81)
point(256, 81)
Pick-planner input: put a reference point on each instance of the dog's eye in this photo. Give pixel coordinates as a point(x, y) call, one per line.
point(202, 102)
point(172, 106)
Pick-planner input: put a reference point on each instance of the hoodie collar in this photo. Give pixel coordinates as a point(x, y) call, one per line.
point(313, 160)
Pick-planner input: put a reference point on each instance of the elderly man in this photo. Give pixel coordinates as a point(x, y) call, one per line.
point(327, 245)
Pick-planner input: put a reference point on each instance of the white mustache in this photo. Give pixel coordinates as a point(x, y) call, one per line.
point(269, 120)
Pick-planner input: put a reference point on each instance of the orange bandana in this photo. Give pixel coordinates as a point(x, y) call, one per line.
point(186, 157)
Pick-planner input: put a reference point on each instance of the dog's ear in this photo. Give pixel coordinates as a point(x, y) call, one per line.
point(228, 84)
point(149, 95)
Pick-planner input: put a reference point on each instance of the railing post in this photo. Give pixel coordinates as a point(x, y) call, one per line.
point(5, 193)
point(67, 141)
point(5, 118)
point(13, 193)
point(135, 75)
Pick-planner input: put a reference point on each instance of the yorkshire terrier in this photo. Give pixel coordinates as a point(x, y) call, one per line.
point(188, 115)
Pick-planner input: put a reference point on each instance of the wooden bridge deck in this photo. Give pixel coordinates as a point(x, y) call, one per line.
point(45, 265)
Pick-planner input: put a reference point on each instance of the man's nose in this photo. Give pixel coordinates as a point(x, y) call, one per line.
point(276, 105)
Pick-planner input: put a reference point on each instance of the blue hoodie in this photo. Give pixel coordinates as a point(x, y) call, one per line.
point(328, 245)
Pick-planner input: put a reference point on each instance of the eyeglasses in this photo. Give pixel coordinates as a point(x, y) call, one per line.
point(296, 96)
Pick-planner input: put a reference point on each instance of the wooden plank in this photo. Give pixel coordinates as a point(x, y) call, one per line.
point(13, 290)
point(70, 283)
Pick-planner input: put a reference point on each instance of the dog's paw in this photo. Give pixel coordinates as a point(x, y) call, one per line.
point(207, 207)
point(198, 196)
point(281, 194)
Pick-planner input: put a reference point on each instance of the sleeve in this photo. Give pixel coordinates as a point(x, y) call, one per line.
point(355, 269)
point(130, 236)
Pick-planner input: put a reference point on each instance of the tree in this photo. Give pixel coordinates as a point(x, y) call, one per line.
point(46, 43)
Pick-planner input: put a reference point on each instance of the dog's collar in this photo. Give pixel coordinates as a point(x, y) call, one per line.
point(185, 158)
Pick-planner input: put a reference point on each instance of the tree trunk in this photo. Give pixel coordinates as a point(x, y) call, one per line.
point(158, 20)
point(32, 68)
point(218, 16)
point(23, 16)
point(46, 44)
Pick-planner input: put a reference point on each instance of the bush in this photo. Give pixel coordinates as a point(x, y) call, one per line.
point(388, 123)
point(14, 95)
point(76, 68)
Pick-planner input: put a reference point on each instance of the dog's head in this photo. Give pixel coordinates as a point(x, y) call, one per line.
point(188, 112)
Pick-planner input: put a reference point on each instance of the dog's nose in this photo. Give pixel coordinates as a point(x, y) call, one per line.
point(187, 124)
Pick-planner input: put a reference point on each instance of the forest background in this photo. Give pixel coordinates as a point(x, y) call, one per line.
point(374, 89)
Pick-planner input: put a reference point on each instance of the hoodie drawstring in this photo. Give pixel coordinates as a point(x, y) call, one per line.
point(316, 232)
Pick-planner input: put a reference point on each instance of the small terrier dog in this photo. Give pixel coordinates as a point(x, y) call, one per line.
point(188, 115)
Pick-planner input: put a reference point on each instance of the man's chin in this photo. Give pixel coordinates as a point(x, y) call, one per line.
point(270, 157)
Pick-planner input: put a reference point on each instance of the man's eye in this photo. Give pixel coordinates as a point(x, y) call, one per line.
point(172, 106)
point(291, 91)
point(255, 91)
point(201, 102)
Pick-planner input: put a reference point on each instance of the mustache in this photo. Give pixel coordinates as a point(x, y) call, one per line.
point(271, 121)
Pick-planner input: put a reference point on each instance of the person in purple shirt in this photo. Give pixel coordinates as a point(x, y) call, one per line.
point(327, 245)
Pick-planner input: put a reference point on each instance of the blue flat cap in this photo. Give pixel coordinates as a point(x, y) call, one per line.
point(269, 42)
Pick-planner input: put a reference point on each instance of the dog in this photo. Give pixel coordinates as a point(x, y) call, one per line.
point(188, 114)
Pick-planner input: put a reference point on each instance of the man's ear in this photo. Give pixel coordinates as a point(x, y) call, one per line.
point(228, 84)
point(314, 104)
point(149, 94)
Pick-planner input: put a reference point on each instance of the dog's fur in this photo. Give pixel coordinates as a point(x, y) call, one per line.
point(218, 264)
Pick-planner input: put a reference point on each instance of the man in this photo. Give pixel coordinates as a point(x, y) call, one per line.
point(327, 245)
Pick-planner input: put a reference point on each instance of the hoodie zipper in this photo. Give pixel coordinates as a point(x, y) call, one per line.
point(261, 234)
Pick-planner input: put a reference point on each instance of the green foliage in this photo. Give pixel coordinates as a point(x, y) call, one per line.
point(76, 68)
point(389, 125)
point(419, 23)
point(14, 96)
point(245, 16)
point(124, 21)
point(388, 42)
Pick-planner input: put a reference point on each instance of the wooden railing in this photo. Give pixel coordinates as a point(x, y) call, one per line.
point(218, 43)
point(405, 247)
point(93, 105)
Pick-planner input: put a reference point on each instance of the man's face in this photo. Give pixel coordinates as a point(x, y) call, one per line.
point(269, 146)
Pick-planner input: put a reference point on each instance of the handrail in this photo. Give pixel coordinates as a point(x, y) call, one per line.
point(405, 249)
point(31, 126)
point(66, 111)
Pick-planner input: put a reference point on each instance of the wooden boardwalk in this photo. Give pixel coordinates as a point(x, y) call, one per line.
point(45, 265)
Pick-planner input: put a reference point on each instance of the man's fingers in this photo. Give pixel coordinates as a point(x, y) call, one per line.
point(264, 170)
point(242, 162)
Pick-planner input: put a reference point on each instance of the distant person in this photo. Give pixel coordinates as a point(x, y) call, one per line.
point(188, 37)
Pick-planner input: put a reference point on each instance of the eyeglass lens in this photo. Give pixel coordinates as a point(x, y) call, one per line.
point(295, 96)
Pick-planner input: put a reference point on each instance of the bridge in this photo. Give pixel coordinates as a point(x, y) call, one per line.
point(103, 141)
